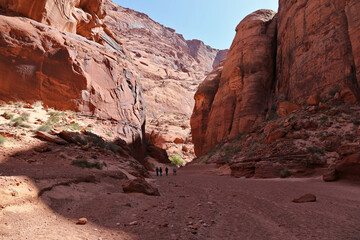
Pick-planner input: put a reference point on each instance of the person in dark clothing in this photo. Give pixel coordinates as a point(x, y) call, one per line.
point(166, 170)
point(160, 171)
point(157, 171)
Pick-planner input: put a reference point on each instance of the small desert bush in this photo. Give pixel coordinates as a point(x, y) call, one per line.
point(20, 121)
point(176, 160)
point(45, 128)
point(250, 154)
point(285, 173)
point(7, 115)
point(83, 163)
point(75, 127)
point(2, 140)
point(37, 104)
point(315, 150)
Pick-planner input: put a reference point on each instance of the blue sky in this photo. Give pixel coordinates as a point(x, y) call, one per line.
point(212, 21)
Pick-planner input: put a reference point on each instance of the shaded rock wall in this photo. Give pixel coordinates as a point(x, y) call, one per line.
point(310, 48)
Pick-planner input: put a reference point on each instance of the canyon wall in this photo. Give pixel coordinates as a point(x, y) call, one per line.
point(46, 59)
point(172, 68)
point(309, 49)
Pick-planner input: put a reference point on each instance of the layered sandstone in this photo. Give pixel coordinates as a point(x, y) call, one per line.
point(315, 49)
point(240, 99)
point(67, 71)
point(172, 69)
point(74, 16)
point(306, 54)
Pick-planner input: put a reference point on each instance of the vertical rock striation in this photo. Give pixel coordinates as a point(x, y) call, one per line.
point(244, 84)
point(310, 48)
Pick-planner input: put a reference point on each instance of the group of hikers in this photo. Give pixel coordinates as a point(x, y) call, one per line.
point(159, 171)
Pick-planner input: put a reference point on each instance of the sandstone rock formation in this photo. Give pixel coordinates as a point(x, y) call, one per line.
point(81, 17)
point(277, 63)
point(172, 69)
point(240, 99)
point(67, 71)
point(139, 185)
point(315, 50)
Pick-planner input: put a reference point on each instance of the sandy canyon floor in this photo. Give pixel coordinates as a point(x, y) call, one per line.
point(197, 203)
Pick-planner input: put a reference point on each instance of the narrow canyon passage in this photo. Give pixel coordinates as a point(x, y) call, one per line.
point(197, 203)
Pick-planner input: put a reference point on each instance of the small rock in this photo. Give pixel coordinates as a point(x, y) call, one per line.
point(82, 221)
point(305, 198)
point(164, 225)
point(42, 148)
point(14, 193)
point(313, 99)
point(312, 109)
point(133, 223)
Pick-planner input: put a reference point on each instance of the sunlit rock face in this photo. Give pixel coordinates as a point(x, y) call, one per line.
point(244, 83)
point(318, 49)
point(308, 50)
point(68, 59)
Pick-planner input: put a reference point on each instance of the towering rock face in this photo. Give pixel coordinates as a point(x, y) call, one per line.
point(310, 48)
point(68, 71)
point(315, 49)
point(74, 16)
point(172, 69)
point(241, 96)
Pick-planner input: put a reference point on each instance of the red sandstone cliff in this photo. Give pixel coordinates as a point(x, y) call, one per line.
point(309, 49)
point(172, 69)
point(48, 60)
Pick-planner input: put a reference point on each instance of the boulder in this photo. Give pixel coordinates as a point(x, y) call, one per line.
point(349, 167)
point(139, 185)
point(313, 100)
point(330, 175)
point(285, 108)
point(246, 169)
point(305, 198)
point(275, 135)
point(158, 153)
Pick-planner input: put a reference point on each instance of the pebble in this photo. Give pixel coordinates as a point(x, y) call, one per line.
point(133, 223)
point(82, 221)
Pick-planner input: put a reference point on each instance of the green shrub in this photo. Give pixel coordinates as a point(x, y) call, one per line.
point(45, 128)
point(75, 127)
point(285, 173)
point(83, 163)
point(250, 154)
point(315, 150)
point(20, 121)
point(176, 160)
point(2, 140)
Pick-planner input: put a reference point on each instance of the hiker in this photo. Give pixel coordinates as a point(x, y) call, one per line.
point(160, 171)
point(166, 170)
point(174, 170)
point(157, 171)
